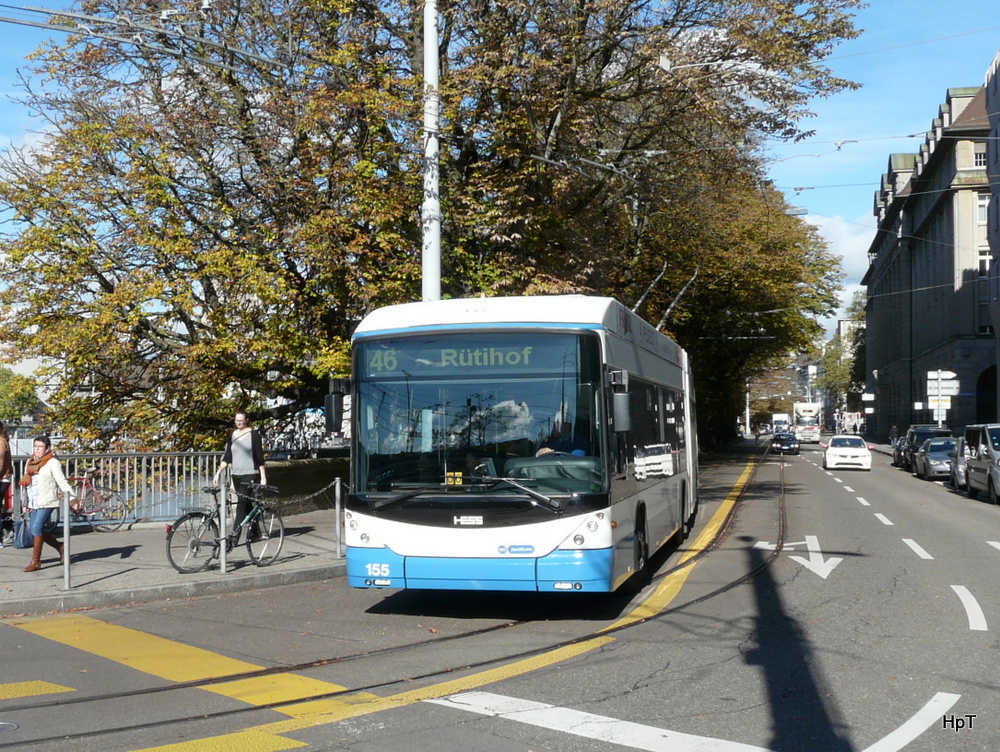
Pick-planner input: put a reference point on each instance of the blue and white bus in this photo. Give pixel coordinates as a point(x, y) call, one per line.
point(536, 443)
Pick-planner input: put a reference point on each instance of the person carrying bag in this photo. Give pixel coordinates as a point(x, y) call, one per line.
point(43, 478)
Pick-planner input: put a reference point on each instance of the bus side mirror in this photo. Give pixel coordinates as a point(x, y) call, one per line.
point(622, 413)
point(333, 404)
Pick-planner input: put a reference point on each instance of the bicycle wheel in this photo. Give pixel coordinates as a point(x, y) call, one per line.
point(265, 535)
point(192, 542)
point(105, 509)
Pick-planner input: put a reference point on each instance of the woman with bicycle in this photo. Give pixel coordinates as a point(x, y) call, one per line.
point(43, 478)
point(245, 455)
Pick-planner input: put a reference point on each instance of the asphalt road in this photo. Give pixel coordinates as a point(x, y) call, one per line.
point(872, 628)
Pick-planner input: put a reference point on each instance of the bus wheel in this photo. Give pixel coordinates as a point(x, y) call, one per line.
point(640, 574)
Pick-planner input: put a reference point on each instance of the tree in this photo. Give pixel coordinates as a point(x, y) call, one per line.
point(17, 396)
point(193, 237)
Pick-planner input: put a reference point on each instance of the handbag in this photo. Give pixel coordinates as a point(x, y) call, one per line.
point(22, 534)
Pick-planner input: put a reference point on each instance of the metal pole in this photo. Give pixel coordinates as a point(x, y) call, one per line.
point(336, 506)
point(431, 210)
point(66, 526)
point(223, 511)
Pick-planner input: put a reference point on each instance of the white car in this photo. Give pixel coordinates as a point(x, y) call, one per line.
point(847, 451)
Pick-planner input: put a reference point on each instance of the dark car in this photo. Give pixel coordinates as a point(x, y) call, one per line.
point(784, 443)
point(916, 435)
point(933, 459)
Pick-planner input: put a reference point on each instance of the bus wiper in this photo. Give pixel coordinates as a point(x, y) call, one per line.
point(555, 505)
point(405, 496)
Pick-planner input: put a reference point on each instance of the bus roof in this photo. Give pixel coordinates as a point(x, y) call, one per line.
point(575, 310)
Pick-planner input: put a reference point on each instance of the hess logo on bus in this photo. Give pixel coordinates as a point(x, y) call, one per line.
point(468, 519)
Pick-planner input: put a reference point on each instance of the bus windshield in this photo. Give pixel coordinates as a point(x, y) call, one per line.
point(460, 412)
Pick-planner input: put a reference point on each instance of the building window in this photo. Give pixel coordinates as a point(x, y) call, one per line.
point(980, 155)
point(985, 327)
point(985, 261)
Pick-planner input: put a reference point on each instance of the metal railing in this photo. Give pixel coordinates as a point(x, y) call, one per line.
point(157, 486)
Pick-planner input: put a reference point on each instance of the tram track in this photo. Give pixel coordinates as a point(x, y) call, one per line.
point(717, 540)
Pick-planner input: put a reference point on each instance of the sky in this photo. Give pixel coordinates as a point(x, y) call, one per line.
point(908, 56)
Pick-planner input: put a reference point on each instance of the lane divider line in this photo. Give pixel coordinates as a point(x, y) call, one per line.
point(883, 519)
point(977, 619)
point(864, 501)
point(917, 548)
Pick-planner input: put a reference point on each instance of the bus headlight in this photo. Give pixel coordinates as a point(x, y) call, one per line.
point(592, 526)
point(364, 537)
point(578, 539)
point(353, 524)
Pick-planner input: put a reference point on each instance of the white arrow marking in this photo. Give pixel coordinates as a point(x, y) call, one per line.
point(995, 544)
point(917, 548)
point(815, 563)
point(977, 619)
point(771, 546)
point(638, 736)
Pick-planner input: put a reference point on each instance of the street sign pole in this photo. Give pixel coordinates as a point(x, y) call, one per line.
point(936, 388)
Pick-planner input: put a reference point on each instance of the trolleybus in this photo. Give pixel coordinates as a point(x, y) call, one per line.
point(531, 443)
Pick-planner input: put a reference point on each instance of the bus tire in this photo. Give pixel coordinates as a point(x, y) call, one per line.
point(640, 548)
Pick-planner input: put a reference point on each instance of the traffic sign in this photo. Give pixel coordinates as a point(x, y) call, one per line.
point(942, 388)
point(936, 375)
point(939, 403)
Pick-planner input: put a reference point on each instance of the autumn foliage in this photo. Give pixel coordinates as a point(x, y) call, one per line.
point(209, 210)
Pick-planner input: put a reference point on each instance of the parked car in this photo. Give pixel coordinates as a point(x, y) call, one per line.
point(982, 460)
point(784, 443)
point(932, 459)
point(847, 451)
point(957, 471)
point(916, 435)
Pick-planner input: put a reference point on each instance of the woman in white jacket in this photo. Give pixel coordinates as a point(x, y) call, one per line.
point(42, 481)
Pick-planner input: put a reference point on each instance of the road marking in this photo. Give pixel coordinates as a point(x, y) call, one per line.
point(883, 519)
point(16, 690)
point(178, 662)
point(241, 741)
point(917, 548)
point(816, 563)
point(653, 739)
point(995, 544)
point(838, 480)
point(864, 501)
point(588, 725)
point(848, 489)
point(977, 620)
point(922, 720)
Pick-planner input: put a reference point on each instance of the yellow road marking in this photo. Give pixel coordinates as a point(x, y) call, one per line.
point(242, 741)
point(177, 662)
point(15, 690)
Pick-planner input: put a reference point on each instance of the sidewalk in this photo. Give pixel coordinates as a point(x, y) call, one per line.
point(130, 566)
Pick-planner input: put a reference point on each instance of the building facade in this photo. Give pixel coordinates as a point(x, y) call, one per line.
point(929, 275)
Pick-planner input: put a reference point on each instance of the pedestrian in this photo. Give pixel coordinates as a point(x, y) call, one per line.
point(893, 434)
point(245, 455)
point(6, 474)
point(43, 478)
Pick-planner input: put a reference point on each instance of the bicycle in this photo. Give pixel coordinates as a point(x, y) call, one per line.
point(193, 540)
point(103, 508)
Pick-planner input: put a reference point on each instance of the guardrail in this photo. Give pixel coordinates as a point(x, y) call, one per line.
point(156, 485)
